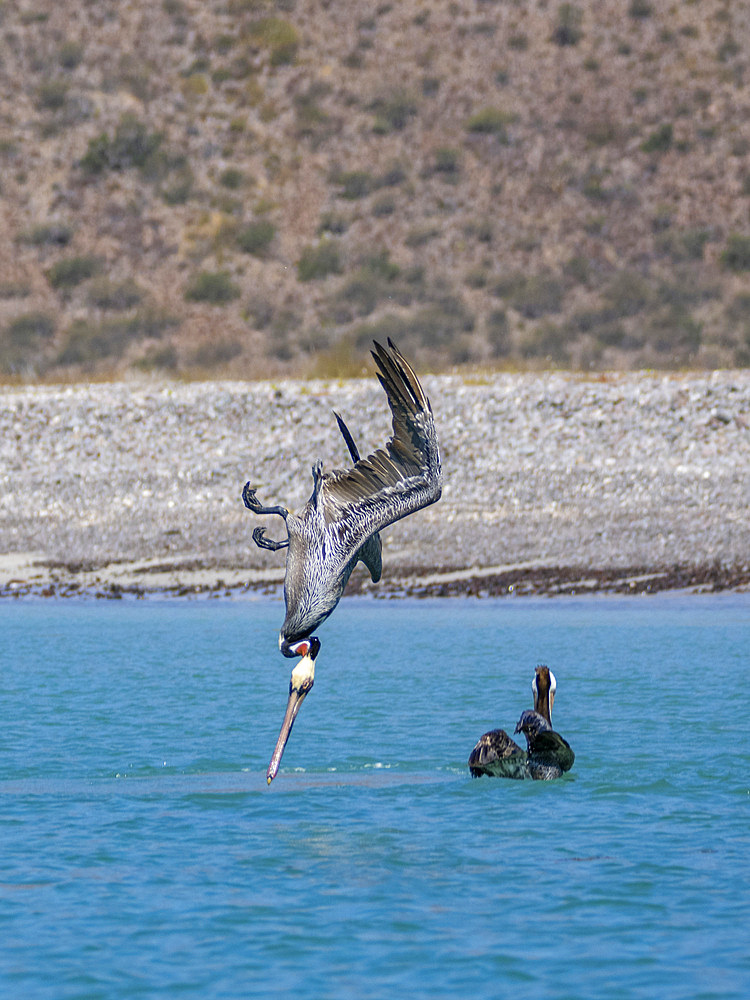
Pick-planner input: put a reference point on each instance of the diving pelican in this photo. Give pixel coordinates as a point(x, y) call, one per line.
point(548, 754)
point(340, 524)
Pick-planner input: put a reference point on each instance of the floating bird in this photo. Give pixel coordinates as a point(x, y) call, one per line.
point(340, 524)
point(548, 754)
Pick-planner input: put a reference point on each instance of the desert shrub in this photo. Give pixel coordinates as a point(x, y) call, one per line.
point(567, 30)
point(86, 342)
point(319, 261)
point(421, 236)
point(684, 245)
point(52, 94)
point(70, 54)
point(674, 331)
point(627, 294)
point(179, 188)
point(158, 356)
point(477, 277)
point(71, 271)
point(26, 332)
point(440, 325)
point(214, 287)
point(386, 205)
point(48, 234)
point(640, 9)
point(498, 332)
point(531, 295)
point(279, 36)
point(214, 353)
point(118, 295)
point(738, 310)
point(232, 178)
point(491, 121)
point(256, 237)
point(374, 281)
point(546, 341)
point(132, 145)
point(261, 312)
point(333, 222)
point(736, 255)
point(392, 113)
point(447, 163)
point(660, 140)
point(355, 184)
point(394, 175)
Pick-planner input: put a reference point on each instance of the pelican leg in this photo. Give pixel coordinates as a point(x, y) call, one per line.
point(268, 543)
point(252, 503)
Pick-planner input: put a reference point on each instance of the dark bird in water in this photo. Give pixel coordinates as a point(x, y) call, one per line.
point(340, 524)
point(548, 754)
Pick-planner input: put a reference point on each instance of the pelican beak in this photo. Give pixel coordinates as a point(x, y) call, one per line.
point(300, 685)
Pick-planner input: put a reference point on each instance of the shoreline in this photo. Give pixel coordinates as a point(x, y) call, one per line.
point(552, 482)
point(28, 575)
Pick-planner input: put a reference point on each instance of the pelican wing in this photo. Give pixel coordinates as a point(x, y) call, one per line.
point(497, 755)
point(403, 476)
point(549, 747)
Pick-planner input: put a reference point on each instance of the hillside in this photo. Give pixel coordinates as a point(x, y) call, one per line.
point(250, 188)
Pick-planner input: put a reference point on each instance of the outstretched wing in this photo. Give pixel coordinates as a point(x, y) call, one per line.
point(403, 476)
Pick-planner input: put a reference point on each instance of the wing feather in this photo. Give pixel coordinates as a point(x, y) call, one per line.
point(402, 476)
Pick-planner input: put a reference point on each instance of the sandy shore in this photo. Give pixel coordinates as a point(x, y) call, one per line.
point(553, 483)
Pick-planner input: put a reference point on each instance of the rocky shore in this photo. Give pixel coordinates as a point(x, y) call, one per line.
point(554, 483)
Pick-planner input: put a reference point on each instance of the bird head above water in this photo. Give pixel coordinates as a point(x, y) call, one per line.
point(300, 685)
point(544, 686)
point(531, 724)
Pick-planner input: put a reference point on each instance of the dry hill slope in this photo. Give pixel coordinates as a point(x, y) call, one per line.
point(254, 188)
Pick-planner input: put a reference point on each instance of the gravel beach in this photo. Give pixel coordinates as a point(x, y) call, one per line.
point(553, 483)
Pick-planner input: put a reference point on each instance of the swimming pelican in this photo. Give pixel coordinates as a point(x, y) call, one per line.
point(548, 754)
point(340, 524)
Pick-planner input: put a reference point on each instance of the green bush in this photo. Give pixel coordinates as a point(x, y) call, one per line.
point(215, 353)
point(50, 234)
point(87, 342)
point(660, 140)
point(279, 36)
point(232, 178)
point(568, 31)
point(256, 237)
point(674, 331)
point(546, 341)
point(491, 121)
point(355, 184)
point(22, 339)
point(627, 294)
point(319, 261)
point(71, 271)
point(214, 287)
point(52, 94)
point(132, 145)
point(117, 295)
point(392, 113)
point(70, 54)
point(498, 332)
point(736, 255)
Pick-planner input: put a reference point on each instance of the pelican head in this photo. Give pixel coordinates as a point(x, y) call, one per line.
point(300, 685)
point(544, 686)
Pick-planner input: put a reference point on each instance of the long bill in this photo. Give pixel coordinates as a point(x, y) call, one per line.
point(300, 685)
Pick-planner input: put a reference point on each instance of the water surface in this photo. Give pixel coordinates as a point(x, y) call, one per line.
point(141, 853)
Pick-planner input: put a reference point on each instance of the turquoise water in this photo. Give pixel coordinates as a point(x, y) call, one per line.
point(142, 855)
